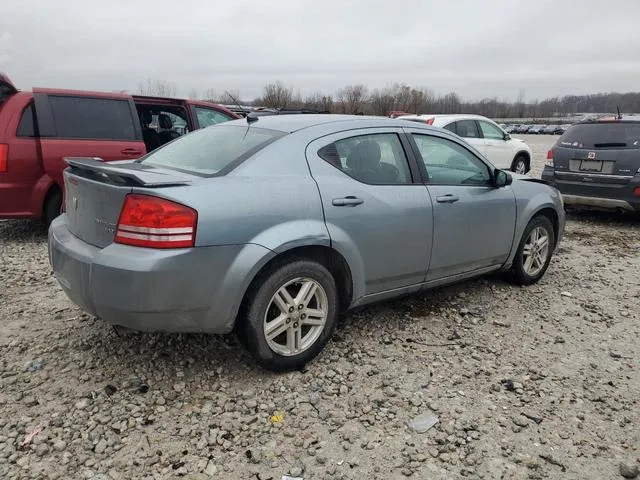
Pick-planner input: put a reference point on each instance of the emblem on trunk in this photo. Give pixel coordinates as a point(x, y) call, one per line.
point(74, 201)
point(591, 155)
point(108, 226)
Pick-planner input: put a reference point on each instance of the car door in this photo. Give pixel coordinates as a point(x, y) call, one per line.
point(77, 125)
point(473, 221)
point(499, 150)
point(468, 129)
point(377, 212)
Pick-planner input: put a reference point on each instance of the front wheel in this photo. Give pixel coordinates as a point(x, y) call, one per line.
point(534, 252)
point(520, 165)
point(290, 315)
point(52, 207)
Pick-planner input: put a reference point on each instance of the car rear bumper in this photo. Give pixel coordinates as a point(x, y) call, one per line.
point(594, 193)
point(177, 290)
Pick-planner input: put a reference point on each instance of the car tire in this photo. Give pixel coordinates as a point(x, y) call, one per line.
point(52, 207)
point(267, 308)
point(531, 263)
point(520, 163)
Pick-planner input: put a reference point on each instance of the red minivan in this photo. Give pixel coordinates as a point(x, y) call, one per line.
point(39, 128)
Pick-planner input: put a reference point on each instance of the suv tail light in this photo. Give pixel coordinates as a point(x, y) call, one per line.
point(549, 162)
point(636, 192)
point(4, 157)
point(430, 121)
point(153, 222)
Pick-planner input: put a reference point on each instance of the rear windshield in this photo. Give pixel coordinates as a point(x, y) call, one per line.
point(602, 135)
point(212, 150)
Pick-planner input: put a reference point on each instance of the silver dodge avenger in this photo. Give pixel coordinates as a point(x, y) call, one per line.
point(273, 226)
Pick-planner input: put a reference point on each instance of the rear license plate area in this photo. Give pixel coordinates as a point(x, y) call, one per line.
point(591, 166)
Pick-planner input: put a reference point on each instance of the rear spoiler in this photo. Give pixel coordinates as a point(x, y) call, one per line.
point(134, 174)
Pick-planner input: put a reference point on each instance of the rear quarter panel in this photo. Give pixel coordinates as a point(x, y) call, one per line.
point(24, 185)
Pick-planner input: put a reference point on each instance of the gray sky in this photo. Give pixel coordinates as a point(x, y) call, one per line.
point(476, 48)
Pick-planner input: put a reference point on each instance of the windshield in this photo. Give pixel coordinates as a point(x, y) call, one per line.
point(213, 150)
point(602, 135)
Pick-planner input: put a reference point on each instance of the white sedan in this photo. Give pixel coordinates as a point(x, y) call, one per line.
point(486, 136)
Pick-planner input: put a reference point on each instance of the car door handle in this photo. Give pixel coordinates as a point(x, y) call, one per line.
point(449, 198)
point(349, 201)
point(131, 151)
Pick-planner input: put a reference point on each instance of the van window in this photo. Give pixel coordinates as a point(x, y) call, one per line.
point(26, 127)
point(92, 118)
point(615, 135)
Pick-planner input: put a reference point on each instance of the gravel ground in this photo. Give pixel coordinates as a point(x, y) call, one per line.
point(536, 382)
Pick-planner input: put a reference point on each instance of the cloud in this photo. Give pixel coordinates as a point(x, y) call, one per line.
point(480, 49)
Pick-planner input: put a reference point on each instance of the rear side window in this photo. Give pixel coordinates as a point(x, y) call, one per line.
point(92, 118)
point(467, 129)
point(376, 159)
point(622, 135)
point(212, 151)
point(451, 127)
point(26, 127)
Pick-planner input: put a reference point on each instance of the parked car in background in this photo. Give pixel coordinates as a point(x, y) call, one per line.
point(597, 163)
point(360, 209)
point(550, 129)
point(536, 129)
point(486, 136)
point(561, 129)
point(39, 128)
point(522, 128)
point(511, 128)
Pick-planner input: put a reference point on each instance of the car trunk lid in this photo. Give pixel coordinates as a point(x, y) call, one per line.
point(95, 192)
point(599, 152)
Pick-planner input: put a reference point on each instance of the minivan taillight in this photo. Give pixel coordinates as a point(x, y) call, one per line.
point(4, 157)
point(549, 162)
point(154, 222)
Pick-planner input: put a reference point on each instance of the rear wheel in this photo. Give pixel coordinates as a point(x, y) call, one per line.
point(520, 165)
point(52, 207)
point(534, 252)
point(290, 315)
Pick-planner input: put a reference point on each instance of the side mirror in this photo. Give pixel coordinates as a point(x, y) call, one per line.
point(506, 137)
point(502, 178)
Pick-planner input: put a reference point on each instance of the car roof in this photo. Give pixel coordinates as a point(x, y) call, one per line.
point(294, 122)
point(444, 116)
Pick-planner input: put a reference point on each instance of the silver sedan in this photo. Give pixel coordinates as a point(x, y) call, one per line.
point(273, 226)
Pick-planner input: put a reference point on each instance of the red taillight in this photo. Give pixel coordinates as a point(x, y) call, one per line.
point(549, 162)
point(153, 222)
point(636, 192)
point(4, 157)
point(430, 121)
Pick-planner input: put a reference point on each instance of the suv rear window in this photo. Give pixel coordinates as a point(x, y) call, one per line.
point(602, 135)
point(212, 151)
point(92, 118)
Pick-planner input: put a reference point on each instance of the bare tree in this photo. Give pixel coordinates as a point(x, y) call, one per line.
point(158, 88)
point(276, 95)
point(352, 98)
point(209, 94)
point(193, 94)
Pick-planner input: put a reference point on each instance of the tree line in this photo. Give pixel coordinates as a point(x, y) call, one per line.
point(359, 99)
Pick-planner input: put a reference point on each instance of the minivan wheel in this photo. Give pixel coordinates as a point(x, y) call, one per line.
point(290, 315)
point(520, 165)
point(52, 207)
point(534, 252)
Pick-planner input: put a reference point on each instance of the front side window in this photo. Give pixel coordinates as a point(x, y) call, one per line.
point(448, 163)
point(208, 116)
point(490, 131)
point(209, 151)
point(92, 118)
point(376, 159)
point(467, 129)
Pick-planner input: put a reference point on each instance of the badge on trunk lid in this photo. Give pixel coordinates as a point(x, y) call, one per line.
point(591, 155)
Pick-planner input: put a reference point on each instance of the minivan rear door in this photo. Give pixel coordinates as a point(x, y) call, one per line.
point(79, 124)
